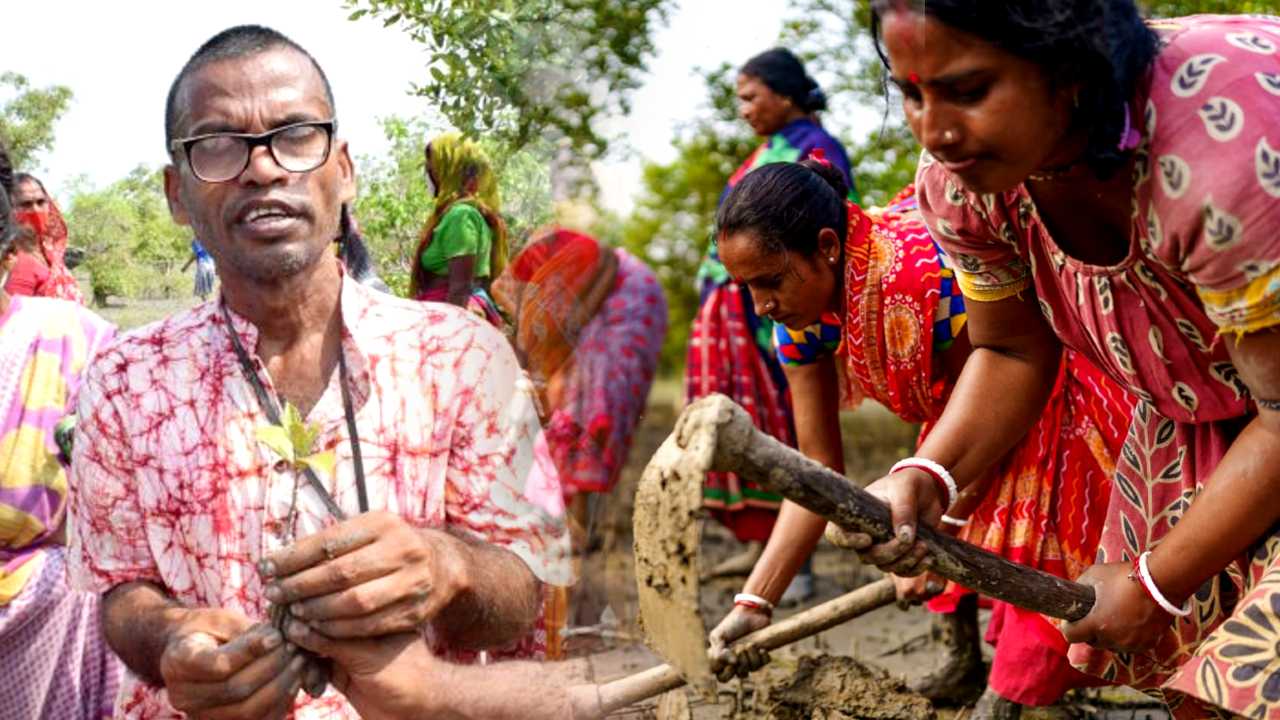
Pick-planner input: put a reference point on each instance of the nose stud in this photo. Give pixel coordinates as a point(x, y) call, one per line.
point(949, 136)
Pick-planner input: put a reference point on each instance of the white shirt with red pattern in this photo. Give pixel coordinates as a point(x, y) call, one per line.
point(169, 484)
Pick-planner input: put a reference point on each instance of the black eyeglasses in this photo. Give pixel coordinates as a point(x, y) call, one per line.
point(219, 157)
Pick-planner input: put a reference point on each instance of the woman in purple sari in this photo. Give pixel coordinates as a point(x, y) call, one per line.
point(51, 650)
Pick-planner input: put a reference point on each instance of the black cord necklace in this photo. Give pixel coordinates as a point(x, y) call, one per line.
point(271, 407)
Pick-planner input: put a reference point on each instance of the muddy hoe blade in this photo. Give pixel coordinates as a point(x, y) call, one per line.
point(714, 434)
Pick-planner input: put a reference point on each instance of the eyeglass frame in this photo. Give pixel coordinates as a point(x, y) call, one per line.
point(255, 140)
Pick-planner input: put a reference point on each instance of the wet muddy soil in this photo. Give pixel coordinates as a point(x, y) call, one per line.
point(899, 643)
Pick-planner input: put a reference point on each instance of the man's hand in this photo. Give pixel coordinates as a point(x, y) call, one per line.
point(369, 576)
point(382, 678)
point(212, 674)
point(726, 663)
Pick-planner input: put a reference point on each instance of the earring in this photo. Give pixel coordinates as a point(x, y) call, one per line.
point(948, 136)
point(831, 260)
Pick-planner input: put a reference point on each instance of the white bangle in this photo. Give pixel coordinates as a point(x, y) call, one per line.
point(954, 522)
point(1161, 600)
point(750, 599)
point(936, 470)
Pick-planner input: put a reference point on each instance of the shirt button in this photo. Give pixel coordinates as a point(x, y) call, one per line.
point(281, 466)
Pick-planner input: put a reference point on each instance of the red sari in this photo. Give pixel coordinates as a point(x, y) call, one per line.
point(51, 236)
point(1047, 499)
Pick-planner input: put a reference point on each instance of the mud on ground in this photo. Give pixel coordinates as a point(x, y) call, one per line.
point(893, 641)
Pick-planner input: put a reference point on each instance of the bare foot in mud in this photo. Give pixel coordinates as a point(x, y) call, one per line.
point(740, 564)
point(962, 678)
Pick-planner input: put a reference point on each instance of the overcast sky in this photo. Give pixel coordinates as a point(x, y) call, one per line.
point(119, 58)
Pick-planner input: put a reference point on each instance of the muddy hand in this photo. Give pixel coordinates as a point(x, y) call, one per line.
point(915, 590)
point(725, 662)
point(369, 576)
point(376, 675)
point(1124, 618)
point(256, 675)
point(316, 673)
point(912, 498)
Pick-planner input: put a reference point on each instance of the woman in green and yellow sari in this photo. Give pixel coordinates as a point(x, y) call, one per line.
point(464, 245)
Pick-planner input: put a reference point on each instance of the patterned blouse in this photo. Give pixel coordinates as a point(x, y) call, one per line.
point(170, 485)
point(1204, 254)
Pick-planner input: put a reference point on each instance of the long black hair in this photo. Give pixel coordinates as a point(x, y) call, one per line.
point(784, 74)
point(1102, 45)
point(351, 247)
point(8, 228)
point(6, 171)
point(785, 205)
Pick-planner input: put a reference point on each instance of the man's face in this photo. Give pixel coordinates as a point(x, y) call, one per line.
point(267, 223)
point(28, 196)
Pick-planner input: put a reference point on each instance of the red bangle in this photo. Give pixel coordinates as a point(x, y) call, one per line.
point(944, 492)
point(1135, 574)
point(946, 484)
point(755, 606)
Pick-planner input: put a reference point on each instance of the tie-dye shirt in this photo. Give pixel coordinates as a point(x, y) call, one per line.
point(172, 487)
point(44, 346)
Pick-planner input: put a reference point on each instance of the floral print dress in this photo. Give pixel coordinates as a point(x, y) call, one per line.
point(1203, 267)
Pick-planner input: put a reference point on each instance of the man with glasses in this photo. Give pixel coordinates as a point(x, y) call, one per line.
point(374, 449)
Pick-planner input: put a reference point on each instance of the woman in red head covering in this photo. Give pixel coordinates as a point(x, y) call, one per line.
point(37, 211)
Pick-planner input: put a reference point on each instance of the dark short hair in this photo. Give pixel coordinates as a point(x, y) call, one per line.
point(236, 42)
point(785, 205)
point(784, 74)
point(1104, 45)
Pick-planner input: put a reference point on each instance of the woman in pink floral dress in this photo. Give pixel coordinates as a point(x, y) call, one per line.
point(1114, 187)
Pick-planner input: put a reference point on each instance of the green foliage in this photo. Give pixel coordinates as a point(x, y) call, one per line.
point(670, 226)
point(132, 247)
point(519, 71)
point(1176, 8)
point(834, 39)
point(28, 117)
point(394, 203)
point(674, 214)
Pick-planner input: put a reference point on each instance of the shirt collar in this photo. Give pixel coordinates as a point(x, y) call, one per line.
point(354, 301)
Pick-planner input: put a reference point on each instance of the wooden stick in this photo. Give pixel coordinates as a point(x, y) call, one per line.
point(755, 456)
point(664, 678)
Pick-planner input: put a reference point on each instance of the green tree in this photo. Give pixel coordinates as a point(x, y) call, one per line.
point(519, 71)
point(394, 203)
point(670, 225)
point(132, 247)
point(834, 39)
point(1175, 8)
point(28, 117)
